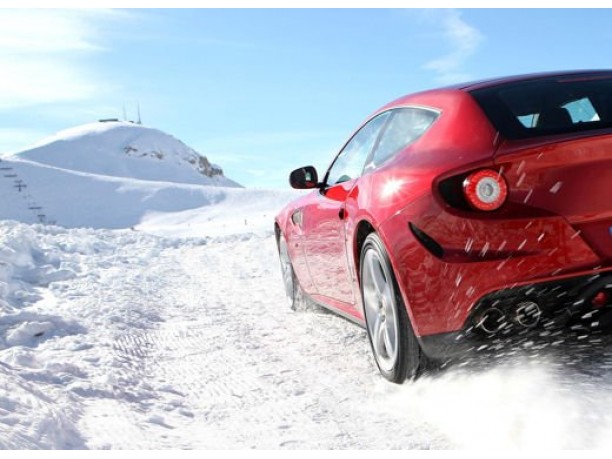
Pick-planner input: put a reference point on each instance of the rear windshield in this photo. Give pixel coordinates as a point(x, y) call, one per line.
point(549, 106)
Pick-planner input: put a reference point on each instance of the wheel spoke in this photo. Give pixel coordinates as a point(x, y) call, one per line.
point(370, 300)
point(390, 337)
point(370, 293)
point(378, 336)
point(378, 278)
point(387, 300)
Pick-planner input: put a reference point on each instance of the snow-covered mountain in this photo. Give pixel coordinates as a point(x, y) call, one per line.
point(107, 175)
point(128, 150)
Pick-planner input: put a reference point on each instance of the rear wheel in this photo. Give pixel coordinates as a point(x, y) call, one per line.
point(394, 345)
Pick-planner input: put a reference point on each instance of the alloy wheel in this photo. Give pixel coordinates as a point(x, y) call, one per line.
point(380, 308)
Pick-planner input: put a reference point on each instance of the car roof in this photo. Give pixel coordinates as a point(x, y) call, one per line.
point(491, 82)
point(448, 95)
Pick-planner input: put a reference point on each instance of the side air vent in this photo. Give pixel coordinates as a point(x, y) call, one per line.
point(428, 242)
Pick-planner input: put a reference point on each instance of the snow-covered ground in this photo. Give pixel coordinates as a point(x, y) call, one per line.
point(124, 339)
point(155, 318)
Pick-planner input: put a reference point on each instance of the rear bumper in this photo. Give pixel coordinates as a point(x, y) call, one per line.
point(581, 303)
point(443, 346)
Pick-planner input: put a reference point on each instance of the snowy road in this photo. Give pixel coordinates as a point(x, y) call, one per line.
point(228, 365)
point(124, 340)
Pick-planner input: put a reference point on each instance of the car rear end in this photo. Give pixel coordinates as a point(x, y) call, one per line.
point(540, 258)
point(557, 159)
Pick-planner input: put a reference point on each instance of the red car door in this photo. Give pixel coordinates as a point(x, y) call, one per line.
point(325, 248)
point(324, 219)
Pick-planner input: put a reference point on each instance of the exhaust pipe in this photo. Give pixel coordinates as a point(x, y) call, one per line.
point(491, 321)
point(527, 314)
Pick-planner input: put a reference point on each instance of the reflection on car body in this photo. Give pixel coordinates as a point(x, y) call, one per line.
point(461, 214)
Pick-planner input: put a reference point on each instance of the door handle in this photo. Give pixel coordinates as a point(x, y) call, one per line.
point(342, 214)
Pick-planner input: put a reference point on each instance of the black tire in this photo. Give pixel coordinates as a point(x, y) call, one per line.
point(395, 347)
point(293, 291)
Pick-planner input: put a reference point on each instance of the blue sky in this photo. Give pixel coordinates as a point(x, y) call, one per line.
point(261, 92)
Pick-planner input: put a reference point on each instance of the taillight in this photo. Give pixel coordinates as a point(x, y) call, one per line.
point(485, 190)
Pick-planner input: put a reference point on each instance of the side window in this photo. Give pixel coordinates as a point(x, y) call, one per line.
point(582, 111)
point(405, 126)
point(350, 161)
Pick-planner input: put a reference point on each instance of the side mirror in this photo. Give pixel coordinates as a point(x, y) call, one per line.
point(304, 178)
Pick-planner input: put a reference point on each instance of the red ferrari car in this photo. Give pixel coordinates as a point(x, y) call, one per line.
point(455, 215)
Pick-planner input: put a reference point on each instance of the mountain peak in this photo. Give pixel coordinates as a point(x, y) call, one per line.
point(125, 149)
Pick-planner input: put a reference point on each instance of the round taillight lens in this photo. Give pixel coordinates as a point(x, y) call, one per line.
point(485, 190)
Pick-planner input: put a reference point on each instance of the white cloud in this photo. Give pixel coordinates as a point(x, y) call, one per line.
point(463, 39)
point(42, 56)
point(44, 31)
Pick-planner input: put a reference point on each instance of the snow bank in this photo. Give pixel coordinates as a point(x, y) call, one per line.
point(77, 199)
point(27, 410)
point(53, 353)
point(237, 211)
point(25, 264)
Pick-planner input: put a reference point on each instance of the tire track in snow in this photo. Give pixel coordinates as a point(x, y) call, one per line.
point(304, 364)
point(121, 409)
point(276, 414)
point(211, 357)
